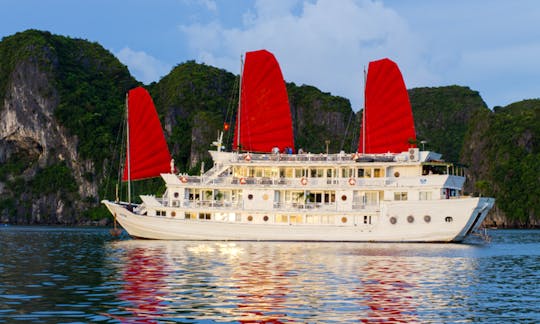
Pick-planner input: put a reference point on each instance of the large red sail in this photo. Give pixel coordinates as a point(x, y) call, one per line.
point(388, 122)
point(148, 154)
point(265, 116)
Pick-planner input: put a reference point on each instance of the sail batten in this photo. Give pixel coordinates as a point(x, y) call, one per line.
point(264, 114)
point(388, 125)
point(147, 151)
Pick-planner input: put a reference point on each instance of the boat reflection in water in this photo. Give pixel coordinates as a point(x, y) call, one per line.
point(285, 282)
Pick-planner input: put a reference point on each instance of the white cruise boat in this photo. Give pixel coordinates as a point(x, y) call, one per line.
point(388, 191)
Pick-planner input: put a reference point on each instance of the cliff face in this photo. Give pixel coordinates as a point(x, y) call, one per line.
point(43, 176)
point(502, 150)
point(442, 116)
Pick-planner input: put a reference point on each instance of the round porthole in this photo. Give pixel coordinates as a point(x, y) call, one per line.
point(250, 196)
point(410, 218)
point(448, 219)
point(176, 195)
point(396, 174)
point(265, 218)
point(427, 218)
point(344, 220)
point(344, 197)
point(393, 220)
point(173, 214)
point(265, 197)
point(250, 218)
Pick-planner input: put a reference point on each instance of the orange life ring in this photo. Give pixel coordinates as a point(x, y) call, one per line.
point(243, 181)
point(183, 179)
point(352, 182)
point(247, 157)
point(355, 156)
point(303, 181)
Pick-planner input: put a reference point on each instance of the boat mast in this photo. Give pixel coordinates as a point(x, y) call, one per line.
point(128, 154)
point(239, 104)
point(364, 116)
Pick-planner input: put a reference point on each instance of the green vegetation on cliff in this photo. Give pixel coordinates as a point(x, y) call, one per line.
point(442, 117)
point(193, 96)
point(509, 165)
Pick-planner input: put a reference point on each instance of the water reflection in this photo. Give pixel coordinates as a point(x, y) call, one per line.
point(81, 275)
point(143, 284)
point(284, 282)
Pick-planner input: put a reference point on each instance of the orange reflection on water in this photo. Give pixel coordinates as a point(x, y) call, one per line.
point(144, 285)
point(387, 289)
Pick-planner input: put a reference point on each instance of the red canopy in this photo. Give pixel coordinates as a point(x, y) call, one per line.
point(148, 154)
point(388, 121)
point(265, 116)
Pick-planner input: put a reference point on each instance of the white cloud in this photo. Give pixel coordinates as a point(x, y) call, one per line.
point(142, 66)
point(322, 43)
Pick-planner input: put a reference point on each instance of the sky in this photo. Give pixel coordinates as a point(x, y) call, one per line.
point(491, 46)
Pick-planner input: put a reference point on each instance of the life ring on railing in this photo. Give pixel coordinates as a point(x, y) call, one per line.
point(303, 181)
point(243, 181)
point(355, 156)
point(247, 157)
point(183, 179)
point(352, 182)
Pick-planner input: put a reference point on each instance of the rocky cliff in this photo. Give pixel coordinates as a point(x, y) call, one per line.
point(47, 172)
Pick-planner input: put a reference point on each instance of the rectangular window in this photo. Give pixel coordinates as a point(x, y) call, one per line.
point(327, 219)
point(205, 216)
point(367, 173)
point(310, 219)
point(425, 195)
point(282, 219)
point(400, 195)
point(295, 219)
point(377, 173)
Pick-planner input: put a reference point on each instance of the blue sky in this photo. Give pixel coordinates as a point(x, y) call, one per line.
point(492, 46)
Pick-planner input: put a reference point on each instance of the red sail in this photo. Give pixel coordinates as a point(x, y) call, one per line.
point(148, 152)
point(265, 115)
point(388, 123)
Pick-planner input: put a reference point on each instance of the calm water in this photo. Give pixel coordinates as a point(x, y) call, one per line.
point(57, 275)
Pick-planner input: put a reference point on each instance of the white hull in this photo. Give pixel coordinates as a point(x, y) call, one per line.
point(467, 215)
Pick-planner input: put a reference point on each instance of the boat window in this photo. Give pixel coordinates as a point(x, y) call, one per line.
point(295, 219)
point(299, 173)
point(361, 173)
point(377, 173)
point(311, 219)
point(372, 198)
point(329, 173)
point(367, 173)
point(400, 195)
point(327, 219)
point(289, 173)
point(205, 216)
point(258, 172)
point(425, 195)
point(347, 173)
point(329, 197)
point(282, 219)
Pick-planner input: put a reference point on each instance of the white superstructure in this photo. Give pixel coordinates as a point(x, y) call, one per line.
point(407, 197)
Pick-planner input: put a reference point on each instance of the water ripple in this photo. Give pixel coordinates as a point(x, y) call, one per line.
point(82, 275)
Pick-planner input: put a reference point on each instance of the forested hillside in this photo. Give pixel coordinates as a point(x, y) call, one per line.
point(62, 113)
